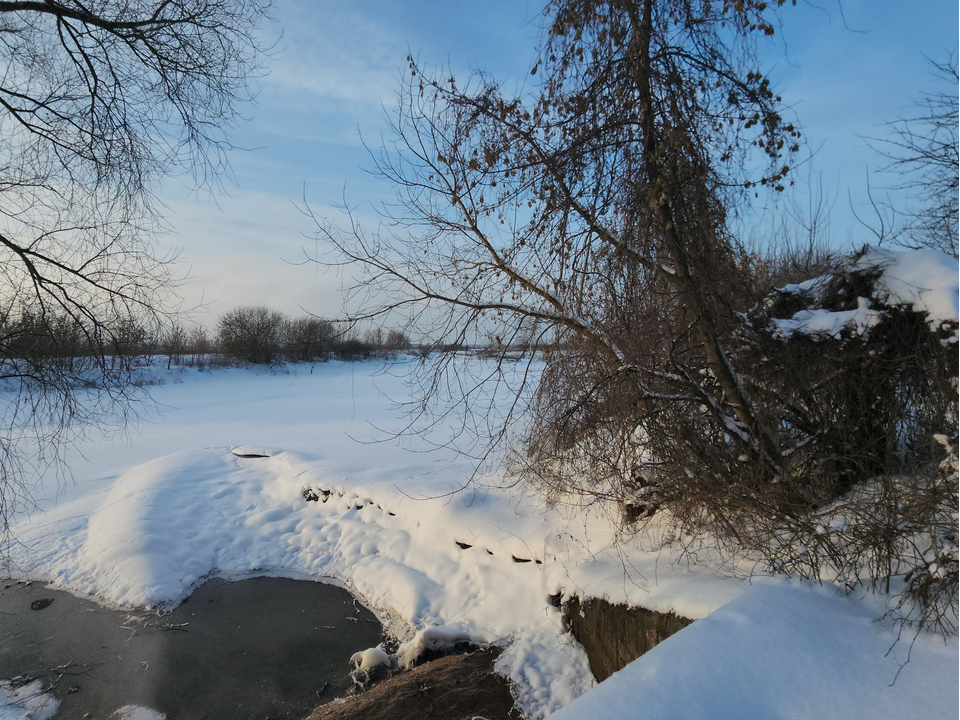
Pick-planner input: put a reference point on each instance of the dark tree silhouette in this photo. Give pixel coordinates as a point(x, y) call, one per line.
point(589, 225)
point(98, 100)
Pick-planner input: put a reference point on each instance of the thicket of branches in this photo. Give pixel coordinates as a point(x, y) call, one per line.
point(592, 220)
point(923, 156)
point(98, 100)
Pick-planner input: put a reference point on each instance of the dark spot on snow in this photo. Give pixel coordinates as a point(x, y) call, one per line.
point(41, 604)
point(462, 545)
point(248, 456)
point(538, 562)
point(555, 600)
point(391, 514)
point(489, 552)
point(311, 495)
point(520, 560)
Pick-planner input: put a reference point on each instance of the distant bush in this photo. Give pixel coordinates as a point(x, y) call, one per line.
point(260, 335)
point(308, 339)
point(252, 334)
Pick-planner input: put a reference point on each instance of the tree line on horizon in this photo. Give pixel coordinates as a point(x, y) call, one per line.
point(245, 334)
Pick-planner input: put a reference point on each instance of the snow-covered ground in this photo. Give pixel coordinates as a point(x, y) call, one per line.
point(146, 520)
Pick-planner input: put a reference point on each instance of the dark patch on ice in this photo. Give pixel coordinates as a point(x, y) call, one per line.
point(248, 456)
point(41, 603)
point(262, 648)
point(462, 545)
point(519, 560)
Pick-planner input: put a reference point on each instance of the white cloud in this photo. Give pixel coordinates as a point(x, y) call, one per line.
point(249, 249)
point(336, 51)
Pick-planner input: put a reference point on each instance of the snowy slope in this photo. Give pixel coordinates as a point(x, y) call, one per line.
point(782, 651)
point(148, 520)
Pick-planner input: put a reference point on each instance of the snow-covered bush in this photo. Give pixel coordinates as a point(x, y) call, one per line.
point(852, 375)
point(854, 368)
point(858, 368)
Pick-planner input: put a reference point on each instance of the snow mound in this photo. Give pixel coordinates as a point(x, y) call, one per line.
point(26, 701)
point(136, 712)
point(925, 281)
point(141, 527)
point(782, 650)
point(367, 660)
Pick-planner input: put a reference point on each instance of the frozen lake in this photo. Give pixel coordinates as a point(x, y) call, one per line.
point(259, 648)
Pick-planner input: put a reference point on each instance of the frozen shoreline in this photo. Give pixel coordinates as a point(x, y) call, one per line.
point(147, 521)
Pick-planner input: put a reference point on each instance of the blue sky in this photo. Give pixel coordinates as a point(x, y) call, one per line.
point(844, 68)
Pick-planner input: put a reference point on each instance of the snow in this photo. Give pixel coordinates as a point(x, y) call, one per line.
point(924, 280)
point(214, 486)
point(831, 322)
point(26, 702)
point(367, 660)
point(782, 650)
point(136, 712)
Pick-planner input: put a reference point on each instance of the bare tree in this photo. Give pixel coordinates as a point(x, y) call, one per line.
point(174, 344)
point(199, 345)
point(924, 155)
point(252, 334)
point(309, 338)
point(375, 339)
point(589, 225)
point(97, 102)
point(591, 217)
point(396, 341)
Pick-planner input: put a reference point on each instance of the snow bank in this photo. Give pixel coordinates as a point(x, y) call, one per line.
point(782, 650)
point(251, 473)
point(923, 280)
